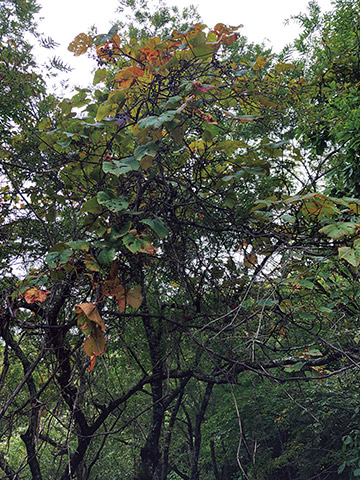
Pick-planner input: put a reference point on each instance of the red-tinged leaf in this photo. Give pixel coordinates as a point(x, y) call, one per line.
point(134, 297)
point(91, 312)
point(148, 248)
point(113, 288)
point(95, 343)
point(206, 117)
point(202, 88)
point(92, 363)
point(35, 295)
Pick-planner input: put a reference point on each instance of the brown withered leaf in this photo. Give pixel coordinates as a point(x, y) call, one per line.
point(95, 343)
point(134, 297)
point(91, 312)
point(250, 260)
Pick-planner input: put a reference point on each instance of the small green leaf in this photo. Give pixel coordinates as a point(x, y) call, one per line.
point(284, 67)
point(339, 229)
point(149, 148)
point(99, 39)
point(91, 206)
point(106, 256)
point(123, 230)
point(111, 201)
point(65, 256)
point(295, 368)
point(350, 255)
point(79, 245)
point(230, 199)
point(52, 258)
point(100, 75)
point(157, 122)
point(119, 167)
point(132, 242)
point(107, 110)
point(157, 225)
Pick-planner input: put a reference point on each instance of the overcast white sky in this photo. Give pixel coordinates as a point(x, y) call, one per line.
point(262, 20)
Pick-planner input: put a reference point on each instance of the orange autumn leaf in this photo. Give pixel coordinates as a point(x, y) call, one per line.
point(35, 295)
point(92, 363)
point(230, 39)
point(128, 73)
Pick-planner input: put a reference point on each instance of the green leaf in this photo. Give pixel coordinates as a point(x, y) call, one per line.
point(230, 199)
point(99, 39)
point(284, 67)
point(350, 255)
point(111, 201)
point(295, 368)
point(136, 243)
point(106, 256)
point(149, 148)
point(305, 283)
point(157, 225)
point(91, 206)
point(157, 122)
point(100, 75)
point(65, 256)
point(314, 352)
point(133, 242)
point(52, 258)
point(120, 167)
point(123, 230)
point(107, 110)
point(79, 245)
point(339, 229)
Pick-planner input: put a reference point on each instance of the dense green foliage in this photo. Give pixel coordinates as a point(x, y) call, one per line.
point(180, 254)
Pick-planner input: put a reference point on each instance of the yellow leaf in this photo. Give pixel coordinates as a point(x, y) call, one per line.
point(260, 62)
point(80, 44)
